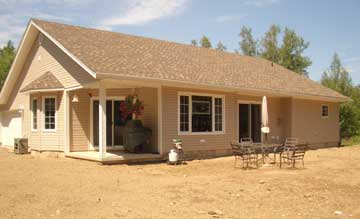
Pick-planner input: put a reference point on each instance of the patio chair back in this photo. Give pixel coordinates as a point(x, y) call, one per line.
point(291, 142)
point(299, 151)
point(293, 151)
point(246, 153)
point(236, 149)
point(246, 141)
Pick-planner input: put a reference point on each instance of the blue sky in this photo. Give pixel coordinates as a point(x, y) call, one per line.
point(328, 25)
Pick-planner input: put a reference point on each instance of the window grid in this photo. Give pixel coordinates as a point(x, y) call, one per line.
point(218, 114)
point(34, 114)
point(49, 110)
point(184, 113)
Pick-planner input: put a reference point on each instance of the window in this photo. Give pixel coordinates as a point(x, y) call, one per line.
point(184, 113)
point(34, 114)
point(218, 114)
point(201, 114)
point(49, 113)
point(324, 111)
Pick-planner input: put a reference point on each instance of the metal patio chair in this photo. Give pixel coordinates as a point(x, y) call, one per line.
point(245, 153)
point(293, 151)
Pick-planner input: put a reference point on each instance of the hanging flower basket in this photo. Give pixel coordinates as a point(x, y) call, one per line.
point(132, 106)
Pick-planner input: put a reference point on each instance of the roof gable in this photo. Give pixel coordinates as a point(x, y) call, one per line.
point(46, 81)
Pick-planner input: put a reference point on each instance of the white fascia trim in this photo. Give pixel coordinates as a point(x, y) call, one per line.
point(74, 88)
point(19, 51)
point(57, 43)
point(43, 90)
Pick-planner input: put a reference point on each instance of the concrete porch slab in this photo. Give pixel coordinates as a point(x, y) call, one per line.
point(116, 157)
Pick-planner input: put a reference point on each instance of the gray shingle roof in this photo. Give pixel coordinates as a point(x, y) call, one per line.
point(126, 55)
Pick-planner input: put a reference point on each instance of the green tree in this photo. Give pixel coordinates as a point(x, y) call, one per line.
point(269, 44)
point(205, 42)
point(337, 78)
point(220, 46)
point(7, 55)
point(248, 45)
point(291, 53)
point(194, 42)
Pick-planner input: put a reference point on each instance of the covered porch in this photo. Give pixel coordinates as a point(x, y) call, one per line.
point(95, 126)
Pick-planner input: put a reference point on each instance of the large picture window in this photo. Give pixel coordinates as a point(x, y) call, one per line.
point(34, 114)
point(200, 113)
point(49, 113)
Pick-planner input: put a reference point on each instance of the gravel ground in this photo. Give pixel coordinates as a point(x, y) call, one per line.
point(328, 187)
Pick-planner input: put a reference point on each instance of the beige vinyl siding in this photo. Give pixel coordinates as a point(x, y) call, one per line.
point(80, 121)
point(150, 115)
point(287, 117)
point(81, 114)
point(43, 58)
point(41, 139)
point(195, 142)
point(308, 123)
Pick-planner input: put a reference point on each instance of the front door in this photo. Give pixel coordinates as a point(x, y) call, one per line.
point(114, 123)
point(250, 121)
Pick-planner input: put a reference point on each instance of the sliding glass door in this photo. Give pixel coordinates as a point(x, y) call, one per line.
point(114, 123)
point(250, 121)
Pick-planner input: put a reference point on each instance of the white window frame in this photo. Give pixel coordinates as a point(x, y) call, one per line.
point(43, 108)
point(213, 96)
point(32, 115)
point(328, 110)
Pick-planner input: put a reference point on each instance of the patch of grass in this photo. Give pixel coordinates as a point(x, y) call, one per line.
point(355, 140)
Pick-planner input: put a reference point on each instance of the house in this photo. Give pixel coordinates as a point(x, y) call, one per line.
point(205, 97)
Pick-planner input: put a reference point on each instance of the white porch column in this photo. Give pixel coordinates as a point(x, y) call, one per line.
point(160, 125)
point(102, 121)
point(67, 111)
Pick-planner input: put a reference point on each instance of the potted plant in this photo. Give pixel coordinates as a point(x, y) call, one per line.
point(136, 136)
point(131, 106)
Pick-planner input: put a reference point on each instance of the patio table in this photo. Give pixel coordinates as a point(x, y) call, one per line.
point(267, 148)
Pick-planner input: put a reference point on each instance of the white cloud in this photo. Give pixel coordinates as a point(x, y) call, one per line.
point(229, 18)
point(15, 14)
point(140, 12)
point(260, 3)
point(352, 59)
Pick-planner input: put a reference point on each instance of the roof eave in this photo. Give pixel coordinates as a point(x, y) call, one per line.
point(224, 88)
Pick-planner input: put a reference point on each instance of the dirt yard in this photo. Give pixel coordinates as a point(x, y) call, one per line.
point(328, 187)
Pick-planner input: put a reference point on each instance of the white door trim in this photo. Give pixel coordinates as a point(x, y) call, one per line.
point(91, 143)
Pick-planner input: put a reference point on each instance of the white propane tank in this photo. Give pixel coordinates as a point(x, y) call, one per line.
point(173, 156)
